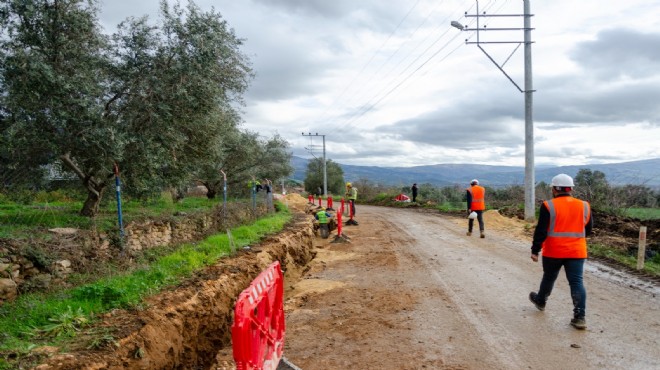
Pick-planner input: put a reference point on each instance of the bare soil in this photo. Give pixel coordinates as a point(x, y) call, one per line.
point(409, 291)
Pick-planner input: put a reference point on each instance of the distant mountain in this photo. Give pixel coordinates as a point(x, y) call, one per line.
point(645, 172)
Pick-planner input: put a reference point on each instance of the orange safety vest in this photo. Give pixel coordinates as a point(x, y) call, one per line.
point(566, 234)
point(478, 198)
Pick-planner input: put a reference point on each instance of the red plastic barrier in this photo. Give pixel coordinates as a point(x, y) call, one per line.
point(310, 199)
point(258, 329)
point(320, 201)
point(329, 202)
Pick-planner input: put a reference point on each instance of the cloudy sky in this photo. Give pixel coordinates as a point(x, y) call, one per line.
point(391, 83)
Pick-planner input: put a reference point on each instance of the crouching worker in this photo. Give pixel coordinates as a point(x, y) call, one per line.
point(326, 223)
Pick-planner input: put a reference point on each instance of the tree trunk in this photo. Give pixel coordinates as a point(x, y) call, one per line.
point(91, 206)
point(178, 194)
point(94, 188)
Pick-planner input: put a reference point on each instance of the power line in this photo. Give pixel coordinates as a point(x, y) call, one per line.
point(387, 91)
point(372, 57)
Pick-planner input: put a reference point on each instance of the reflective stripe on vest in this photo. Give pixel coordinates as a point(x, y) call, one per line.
point(323, 218)
point(566, 234)
point(478, 198)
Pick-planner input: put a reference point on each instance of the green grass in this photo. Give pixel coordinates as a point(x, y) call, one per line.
point(17, 220)
point(643, 213)
point(651, 266)
point(452, 206)
point(39, 319)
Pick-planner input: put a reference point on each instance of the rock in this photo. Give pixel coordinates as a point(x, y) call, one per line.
point(5, 270)
point(41, 281)
point(8, 289)
point(61, 267)
point(46, 350)
point(63, 231)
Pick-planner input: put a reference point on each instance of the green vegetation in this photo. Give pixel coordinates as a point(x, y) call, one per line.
point(19, 219)
point(156, 101)
point(651, 265)
point(314, 177)
point(52, 318)
point(643, 213)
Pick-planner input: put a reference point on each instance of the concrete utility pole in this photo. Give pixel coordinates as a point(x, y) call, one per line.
point(530, 210)
point(325, 169)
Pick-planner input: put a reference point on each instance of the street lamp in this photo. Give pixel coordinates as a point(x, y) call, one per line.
point(530, 210)
point(457, 25)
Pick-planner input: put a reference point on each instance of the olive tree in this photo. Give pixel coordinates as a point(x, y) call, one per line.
point(314, 176)
point(592, 186)
point(54, 73)
point(151, 98)
point(243, 156)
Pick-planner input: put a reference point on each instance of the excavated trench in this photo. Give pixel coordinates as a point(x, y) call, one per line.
point(190, 327)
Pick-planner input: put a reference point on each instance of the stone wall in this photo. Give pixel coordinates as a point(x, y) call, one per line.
point(41, 265)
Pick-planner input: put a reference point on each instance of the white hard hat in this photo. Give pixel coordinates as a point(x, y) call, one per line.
point(562, 180)
point(472, 215)
point(474, 182)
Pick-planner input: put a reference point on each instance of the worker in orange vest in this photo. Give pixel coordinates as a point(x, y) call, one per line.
point(564, 223)
point(476, 202)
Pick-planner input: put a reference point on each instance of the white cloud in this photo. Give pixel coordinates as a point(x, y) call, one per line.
point(392, 84)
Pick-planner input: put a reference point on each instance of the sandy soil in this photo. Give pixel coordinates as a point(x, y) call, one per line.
point(409, 291)
point(412, 291)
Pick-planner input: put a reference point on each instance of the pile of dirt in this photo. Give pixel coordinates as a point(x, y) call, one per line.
point(623, 232)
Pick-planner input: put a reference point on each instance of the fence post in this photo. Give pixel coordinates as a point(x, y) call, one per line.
point(224, 198)
point(641, 251)
point(119, 213)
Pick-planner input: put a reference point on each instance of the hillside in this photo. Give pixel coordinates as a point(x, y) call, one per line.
point(646, 172)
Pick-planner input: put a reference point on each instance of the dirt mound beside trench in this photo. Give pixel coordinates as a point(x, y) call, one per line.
point(185, 328)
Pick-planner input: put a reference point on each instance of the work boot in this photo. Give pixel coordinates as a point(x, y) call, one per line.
point(534, 298)
point(468, 233)
point(579, 323)
point(482, 235)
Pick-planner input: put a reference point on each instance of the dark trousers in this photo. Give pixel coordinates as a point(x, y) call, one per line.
point(573, 267)
point(480, 218)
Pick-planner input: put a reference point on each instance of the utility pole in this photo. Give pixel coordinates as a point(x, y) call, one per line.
point(325, 170)
point(530, 210)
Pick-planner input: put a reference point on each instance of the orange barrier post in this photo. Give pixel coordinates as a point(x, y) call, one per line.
point(351, 221)
point(329, 200)
point(320, 201)
point(258, 329)
point(310, 199)
point(339, 225)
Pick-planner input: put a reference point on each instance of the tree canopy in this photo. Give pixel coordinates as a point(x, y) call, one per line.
point(159, 100)
point(314, 176)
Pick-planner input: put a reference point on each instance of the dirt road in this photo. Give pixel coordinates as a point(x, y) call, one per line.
point(412, 291)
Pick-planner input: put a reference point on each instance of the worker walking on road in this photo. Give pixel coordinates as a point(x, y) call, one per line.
point(564, 223)
point(351, 197)
point(414, 192)
point(476, 202)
